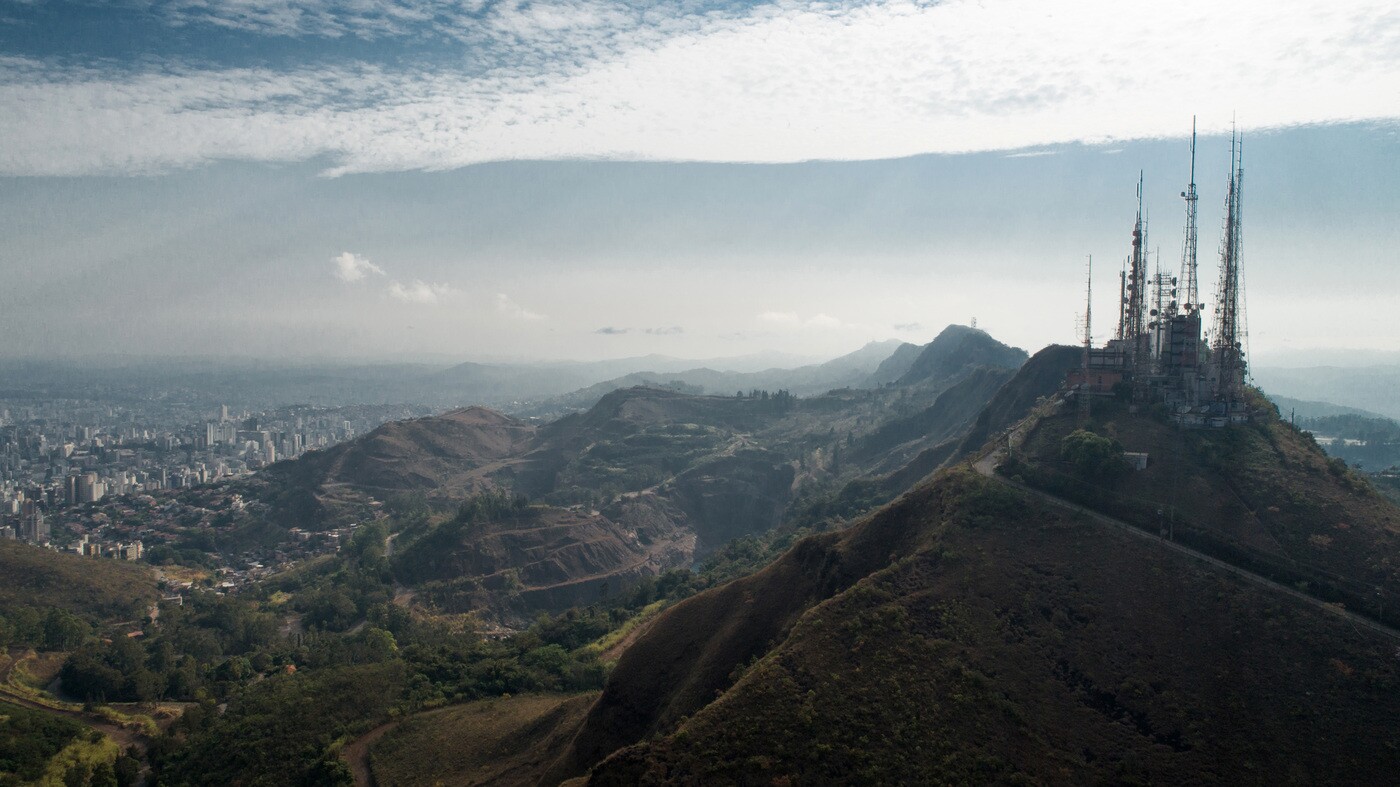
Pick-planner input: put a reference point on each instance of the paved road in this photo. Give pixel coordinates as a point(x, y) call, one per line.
point(987, 466)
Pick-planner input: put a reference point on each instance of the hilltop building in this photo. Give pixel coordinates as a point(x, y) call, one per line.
point(1159, 353)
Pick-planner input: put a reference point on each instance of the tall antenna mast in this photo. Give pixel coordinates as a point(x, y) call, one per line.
point(1088, 342)
point(1227, 346)
point(1123, 302)
point(1190, 302)
point(1162, 289)
point(1137, 293)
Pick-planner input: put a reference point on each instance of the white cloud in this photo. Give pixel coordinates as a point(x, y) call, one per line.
point(782, 82)
point(505, 305)
point(352, 267)
point(419, 291)
point(794, 320)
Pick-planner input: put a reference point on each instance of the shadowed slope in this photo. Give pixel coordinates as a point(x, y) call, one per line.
point(994, 640)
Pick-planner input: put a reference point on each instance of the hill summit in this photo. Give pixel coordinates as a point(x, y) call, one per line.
point(959, 347)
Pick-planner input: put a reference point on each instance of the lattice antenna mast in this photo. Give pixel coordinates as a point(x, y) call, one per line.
point(1190, 303)
point(1227, 345)
point(1137, 291)
point(1123, 301)
point(1088, 342)
point(1162, 288)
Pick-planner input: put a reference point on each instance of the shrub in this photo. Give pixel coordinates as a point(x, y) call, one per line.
point(1094, 457)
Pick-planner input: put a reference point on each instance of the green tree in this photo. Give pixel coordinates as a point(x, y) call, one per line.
point(1095, 458)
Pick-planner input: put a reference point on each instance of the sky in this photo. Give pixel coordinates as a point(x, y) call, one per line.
point(419, 179)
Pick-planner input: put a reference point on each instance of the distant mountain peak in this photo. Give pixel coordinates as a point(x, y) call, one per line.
point(955, 351)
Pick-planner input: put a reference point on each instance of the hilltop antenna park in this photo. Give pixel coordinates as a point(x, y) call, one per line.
point(1159, 355)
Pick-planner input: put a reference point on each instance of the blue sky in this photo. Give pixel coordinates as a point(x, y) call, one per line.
point(431, 178)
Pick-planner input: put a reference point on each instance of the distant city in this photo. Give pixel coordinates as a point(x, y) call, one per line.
point(105, 478)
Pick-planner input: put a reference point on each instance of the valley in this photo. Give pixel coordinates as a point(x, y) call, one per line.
point(928, 576)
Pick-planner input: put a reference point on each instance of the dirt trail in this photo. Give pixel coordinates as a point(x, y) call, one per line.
point(124, 737)
point(356, 753)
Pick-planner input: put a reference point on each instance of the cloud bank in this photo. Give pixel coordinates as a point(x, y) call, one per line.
point(779, 82)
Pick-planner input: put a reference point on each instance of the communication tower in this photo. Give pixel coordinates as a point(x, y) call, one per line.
point(1227, 345)
point(1190, 302)
point(1088, 342)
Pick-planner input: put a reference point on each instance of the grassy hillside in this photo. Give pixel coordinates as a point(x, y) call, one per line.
point(1041, 376)
point(1264, 496)
point(522, 559)
point(968, 635)
point(96, 590)
point(453, 455)
point(504, 741)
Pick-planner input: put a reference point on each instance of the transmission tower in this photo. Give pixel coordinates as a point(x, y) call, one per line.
point(1163, 288)
point(1190, 303)
point(1227, 345)
point(1134, 329)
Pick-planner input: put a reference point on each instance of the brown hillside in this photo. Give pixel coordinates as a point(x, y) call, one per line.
point(899, 441)
point(97, 590)
point(456, 450)
point(1041, 376)
point(629, 408)
point(504, 741)
point(966, 634)
point(1264, 496)
point(547, 558)
point(689, 653)
point(445, 456)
